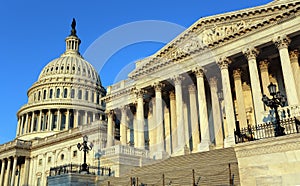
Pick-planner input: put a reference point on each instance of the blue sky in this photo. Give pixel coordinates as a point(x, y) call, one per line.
point(32, 34)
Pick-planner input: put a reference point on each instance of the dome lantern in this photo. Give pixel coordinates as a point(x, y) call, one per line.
point(72, 41)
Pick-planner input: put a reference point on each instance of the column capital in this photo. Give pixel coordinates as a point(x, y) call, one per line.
point(263, 65)
point(140, 93)
point(192, 88)
point(282, 41)
point(237, 74)
point(223, 63)
point(213, 82)
point(178, 79)
point(158, 86)
point(294, 54)
point(172, 95)
point(109, 113)
point(251, 53)
point(124, 108)
point(199, 71)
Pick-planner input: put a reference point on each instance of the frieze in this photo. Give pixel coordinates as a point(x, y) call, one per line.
point(207, 33)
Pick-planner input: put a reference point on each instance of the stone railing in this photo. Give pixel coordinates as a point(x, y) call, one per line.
point(284, 112)
point(16, 143)
point(121, 149)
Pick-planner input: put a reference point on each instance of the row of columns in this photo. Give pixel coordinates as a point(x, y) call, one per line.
point(8, 175)
point(290, 71)
point(26, 125)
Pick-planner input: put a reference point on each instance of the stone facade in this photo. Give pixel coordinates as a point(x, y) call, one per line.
point(186, 98)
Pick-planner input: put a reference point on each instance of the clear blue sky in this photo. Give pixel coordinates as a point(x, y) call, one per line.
point(32, 34)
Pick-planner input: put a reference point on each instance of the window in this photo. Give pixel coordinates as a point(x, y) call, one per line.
point(79, 94)
point(34, 97)
point(38, 182)
point(51, 93)
point(75, 153)
point(40, 161)
point(62, 156)
point(44, 95)
point(72, 93)
point(39, 96)
point(92, 96)
point(63, 121)
point(65, 93)
point(86, 95)
point(57, 93)
point(49, 159)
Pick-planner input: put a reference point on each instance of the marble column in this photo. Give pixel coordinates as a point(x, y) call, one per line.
point(67, 126)
point(204, 125)
point(159, 117)
point(179, 113)
point(123, 125)
point(32, 121)
point(242, 118)
point(8, 176)
point(18, 128)
point(2, 171)
point(152, 126)
point(13, 176)
point(26, 168)
point(58, 119)
point(26, 124)
point(85, 117)
point(75, 118)
point(110, 129)
point(294, 55)
point(229, 111)
point(194, 117)
point(251, 54)
point(218, 131)
point(173, 120)
point(140, 119)
point(264, 73)
point(282, 43)
point(22, 125)
point(50, 120)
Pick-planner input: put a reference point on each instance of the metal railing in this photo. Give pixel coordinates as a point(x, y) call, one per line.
point(266, 130)
point(76, 168)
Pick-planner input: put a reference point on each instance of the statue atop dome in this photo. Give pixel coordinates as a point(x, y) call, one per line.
point(73, 25)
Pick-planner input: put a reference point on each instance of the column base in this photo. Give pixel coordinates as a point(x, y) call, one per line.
point(229, 141)
point(160, 155)
point(181, 151)
point(204, 146)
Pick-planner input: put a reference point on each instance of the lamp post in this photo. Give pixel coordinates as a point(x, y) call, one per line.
point(85, 147)
point(276, 101)
point(98, 156)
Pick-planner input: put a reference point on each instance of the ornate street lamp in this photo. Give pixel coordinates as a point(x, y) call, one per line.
point(276, 101)
point(98, 156)
point(85, 147)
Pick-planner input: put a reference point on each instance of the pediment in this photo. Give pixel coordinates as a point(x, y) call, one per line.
point(212, 31)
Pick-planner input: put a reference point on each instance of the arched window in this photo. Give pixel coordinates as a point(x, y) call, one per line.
point(86, 95)
point(44, 95)
point(65, 93)
point(92, 96)
point(72, 93)
point(39, 96)
point(57, 93)
point(51, 93)
point(79, 94)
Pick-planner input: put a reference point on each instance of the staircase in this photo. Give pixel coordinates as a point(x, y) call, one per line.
point(210, 168)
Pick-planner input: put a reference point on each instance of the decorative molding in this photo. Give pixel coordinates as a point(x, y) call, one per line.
point(263, 65)
point(294, 54)
point(178, 79)
point(251, 53)
point(223, 63)
point(199, 71)
point(282, 41)
point(237, 74)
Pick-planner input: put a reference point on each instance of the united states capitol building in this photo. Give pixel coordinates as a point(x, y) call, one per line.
point(187, 115)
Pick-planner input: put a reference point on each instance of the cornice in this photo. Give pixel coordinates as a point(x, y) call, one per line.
point(117, 94)
point(188, 44)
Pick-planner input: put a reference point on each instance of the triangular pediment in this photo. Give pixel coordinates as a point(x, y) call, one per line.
point(209, 32)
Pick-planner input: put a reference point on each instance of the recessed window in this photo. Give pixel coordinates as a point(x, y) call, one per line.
point(73, 68)
point(68, 67)
point(57, 93)
point(51, 93)
point(65, 93)
point(62, 67)
point(72, 93)
point(40, 161)
point(56, 68)
point(79, 94)
point(39, 96)
point(62, 157)
point(86, 95)
point(44, 94)
point(49, 159)
point(75, 153)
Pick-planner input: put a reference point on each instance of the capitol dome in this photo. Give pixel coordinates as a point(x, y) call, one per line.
point(66, 95)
